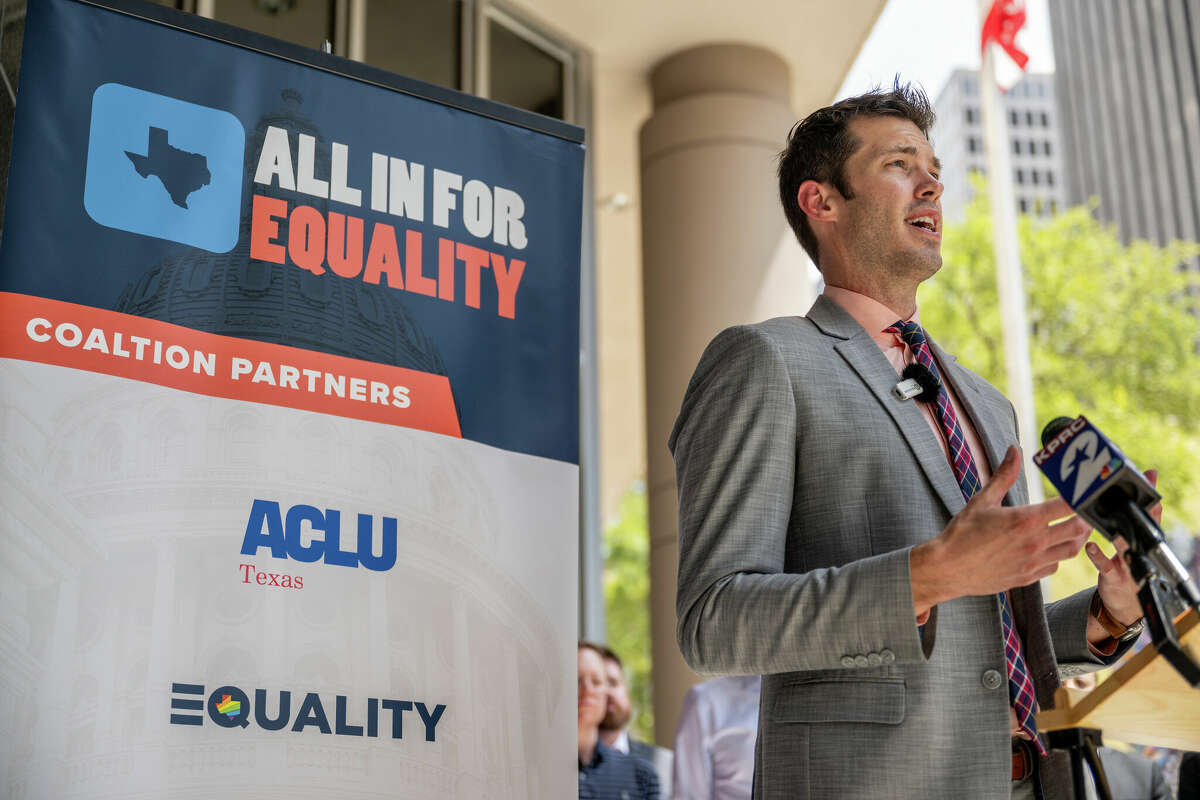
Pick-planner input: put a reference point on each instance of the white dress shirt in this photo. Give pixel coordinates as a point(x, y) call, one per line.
point(714, 742)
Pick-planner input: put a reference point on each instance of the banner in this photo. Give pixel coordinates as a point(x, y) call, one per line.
point(289, 374)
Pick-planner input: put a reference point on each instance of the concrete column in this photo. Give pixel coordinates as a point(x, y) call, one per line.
point(717, 251)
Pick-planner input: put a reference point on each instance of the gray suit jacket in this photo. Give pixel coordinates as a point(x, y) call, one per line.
point(803, 484)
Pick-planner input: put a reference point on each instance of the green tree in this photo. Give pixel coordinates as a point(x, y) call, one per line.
point(1112, 336)
point(627, 602)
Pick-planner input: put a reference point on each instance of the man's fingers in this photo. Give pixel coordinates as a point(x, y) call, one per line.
point(1002, 479)
point(1063, 541)
point(1073, 531)
point(1061, 552)
point(1046, 571)
point(1049, 510)
point(1101, 562)
point(1152, 476)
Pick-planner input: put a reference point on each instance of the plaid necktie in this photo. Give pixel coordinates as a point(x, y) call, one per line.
point(1020, 685)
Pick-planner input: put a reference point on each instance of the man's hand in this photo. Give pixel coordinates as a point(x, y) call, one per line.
point(989, 548)
point(1118, 591)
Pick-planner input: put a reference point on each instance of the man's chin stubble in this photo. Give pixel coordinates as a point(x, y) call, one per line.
point(610, 724)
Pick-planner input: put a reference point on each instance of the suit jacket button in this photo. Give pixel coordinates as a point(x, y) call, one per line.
point(887, 655)
point(992, 679)
point(847, 661)
point(874, 659)
point(860, 661)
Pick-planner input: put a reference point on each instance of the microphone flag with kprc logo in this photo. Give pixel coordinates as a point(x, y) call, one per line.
point(1078, 459)
point(289, 358)
point(1081, 463)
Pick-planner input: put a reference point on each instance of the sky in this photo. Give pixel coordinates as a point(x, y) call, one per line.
point(925, 40)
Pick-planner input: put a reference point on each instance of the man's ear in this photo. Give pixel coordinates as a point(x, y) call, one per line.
point(819, 201)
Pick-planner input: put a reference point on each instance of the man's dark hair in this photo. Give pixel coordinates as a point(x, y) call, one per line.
point(820, 144)
point(604, 651)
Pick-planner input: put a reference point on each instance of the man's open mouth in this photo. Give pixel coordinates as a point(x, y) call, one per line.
point(925, 223)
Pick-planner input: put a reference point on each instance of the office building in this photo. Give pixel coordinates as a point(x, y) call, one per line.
point(1035, 150)
point(1128, 75)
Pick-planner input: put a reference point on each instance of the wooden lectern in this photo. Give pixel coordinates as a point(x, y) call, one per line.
point(1145, 701)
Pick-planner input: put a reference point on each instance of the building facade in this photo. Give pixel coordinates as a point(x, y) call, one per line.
point(1034, 142)
point(1128, 75)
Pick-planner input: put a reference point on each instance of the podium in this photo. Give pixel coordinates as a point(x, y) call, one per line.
point(1145, 701)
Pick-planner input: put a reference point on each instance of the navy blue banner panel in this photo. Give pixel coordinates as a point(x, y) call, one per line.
point(168, 175)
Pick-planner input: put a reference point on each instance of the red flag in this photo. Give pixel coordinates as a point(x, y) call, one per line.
point(1003, 21)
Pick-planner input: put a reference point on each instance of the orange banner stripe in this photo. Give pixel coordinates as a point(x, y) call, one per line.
point(128, 346)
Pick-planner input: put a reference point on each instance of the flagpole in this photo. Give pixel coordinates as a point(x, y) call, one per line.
point(1008, 263)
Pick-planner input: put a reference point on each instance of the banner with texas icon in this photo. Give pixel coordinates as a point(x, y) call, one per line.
point(289, 367)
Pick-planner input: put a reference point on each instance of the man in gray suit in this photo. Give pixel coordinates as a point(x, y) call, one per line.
point(826, 540)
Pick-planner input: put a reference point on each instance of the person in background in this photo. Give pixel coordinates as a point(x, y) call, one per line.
point(614, 728)
point(604, 773)
point(714, 742)
point(1132, 776)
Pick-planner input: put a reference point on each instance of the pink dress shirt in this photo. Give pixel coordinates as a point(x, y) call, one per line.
point(875, 318)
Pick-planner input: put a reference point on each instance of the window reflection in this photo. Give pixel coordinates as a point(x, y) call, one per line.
point(416, 38)
point(304, 22)
point(524, 75)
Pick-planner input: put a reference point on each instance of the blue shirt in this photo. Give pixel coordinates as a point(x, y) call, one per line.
point(612, 775)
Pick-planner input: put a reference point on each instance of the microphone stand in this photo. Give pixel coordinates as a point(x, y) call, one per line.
point(1160, 578)
point(1155, 569)
point(1081, 744)
point(1163, 633)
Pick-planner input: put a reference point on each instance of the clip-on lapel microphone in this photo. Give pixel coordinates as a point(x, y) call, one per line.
point(916, 381)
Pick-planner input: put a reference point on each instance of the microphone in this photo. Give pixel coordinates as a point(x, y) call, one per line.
point(917, 381)
point(1105, 488)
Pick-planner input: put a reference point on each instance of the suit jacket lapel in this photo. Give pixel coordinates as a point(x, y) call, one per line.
point(992, 420)
point(864, 357)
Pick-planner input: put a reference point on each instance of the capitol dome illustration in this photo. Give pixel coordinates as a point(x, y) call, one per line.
point(232, 294)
